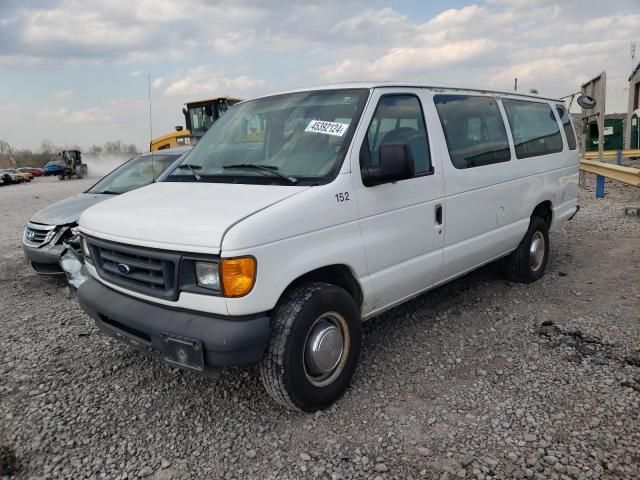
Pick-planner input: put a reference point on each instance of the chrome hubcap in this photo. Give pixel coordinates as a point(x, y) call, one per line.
point(536, 251)
point(326, 349)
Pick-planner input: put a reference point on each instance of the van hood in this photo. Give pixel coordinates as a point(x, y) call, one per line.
point(190, 217)
point(68, 210)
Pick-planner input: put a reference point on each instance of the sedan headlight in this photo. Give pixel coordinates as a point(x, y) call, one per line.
point(207, 275)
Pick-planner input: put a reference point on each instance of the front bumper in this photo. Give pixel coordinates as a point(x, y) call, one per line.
point(44, 260)
point(226, 341)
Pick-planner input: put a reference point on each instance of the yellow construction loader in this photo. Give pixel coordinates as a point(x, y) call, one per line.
point(199, 115)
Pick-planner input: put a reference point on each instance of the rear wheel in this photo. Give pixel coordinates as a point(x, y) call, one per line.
point(528, 262)
point(314, 347)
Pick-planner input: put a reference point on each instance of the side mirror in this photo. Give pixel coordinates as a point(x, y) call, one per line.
point(586, 102)
point(396, 163)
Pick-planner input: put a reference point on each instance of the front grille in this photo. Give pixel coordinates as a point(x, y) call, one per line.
point(37, 234)
point(149, 271)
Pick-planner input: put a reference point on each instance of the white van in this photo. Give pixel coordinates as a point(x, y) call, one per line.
point(302, 214)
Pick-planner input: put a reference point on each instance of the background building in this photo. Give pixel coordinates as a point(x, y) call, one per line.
point(632, 131)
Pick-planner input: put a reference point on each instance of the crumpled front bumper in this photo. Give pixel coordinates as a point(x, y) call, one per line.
point(44, 260)
point(72, 264)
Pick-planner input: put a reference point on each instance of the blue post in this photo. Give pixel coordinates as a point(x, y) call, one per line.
point(599, 186)
point(619, 157)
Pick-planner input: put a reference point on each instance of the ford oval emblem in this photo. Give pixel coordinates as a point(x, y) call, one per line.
point(124, 269)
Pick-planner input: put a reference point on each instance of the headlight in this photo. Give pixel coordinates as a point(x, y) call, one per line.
point(238, 276)
point(207, 275)
point(85, 248)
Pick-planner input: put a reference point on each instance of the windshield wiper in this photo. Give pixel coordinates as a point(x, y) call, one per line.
point(191, 168)
point(108, 192)
point(265, 168)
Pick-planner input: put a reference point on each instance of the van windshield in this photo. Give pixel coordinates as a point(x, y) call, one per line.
point(297, 138)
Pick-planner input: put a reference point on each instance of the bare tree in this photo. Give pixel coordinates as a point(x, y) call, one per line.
point(47, 147)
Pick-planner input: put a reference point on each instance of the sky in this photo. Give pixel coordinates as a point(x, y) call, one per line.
point(76, 72)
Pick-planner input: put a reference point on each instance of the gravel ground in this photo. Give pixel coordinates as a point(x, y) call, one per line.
point(479, 379)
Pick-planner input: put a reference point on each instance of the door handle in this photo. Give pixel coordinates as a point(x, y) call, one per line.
point(438, 214)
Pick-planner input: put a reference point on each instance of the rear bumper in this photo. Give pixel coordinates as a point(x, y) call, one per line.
point(226, 341)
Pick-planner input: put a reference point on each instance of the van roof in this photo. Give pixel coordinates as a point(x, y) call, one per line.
point(431, 86)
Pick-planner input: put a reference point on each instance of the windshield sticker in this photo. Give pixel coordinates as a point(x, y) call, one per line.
point(327, 128)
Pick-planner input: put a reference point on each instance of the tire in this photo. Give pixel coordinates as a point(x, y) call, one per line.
point(523, 264)
point(285, 372)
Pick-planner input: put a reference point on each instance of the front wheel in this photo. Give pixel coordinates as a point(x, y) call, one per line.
point(528, 262)
point(314, 347)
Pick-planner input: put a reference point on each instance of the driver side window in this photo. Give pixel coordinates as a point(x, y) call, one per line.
point(398, 120)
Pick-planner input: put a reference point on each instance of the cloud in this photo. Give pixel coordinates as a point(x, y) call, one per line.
point(250, 47)
point(52, 114)
point(8, 108)
point(63, 94)
point(205, 80)
point(119, 31)
point(398, 62)
point(157, 83)
point(547, 45)
point(91, 115)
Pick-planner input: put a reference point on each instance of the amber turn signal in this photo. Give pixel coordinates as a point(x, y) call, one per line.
point(238, 276)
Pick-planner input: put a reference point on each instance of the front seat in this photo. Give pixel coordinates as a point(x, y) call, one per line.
point(416, 141)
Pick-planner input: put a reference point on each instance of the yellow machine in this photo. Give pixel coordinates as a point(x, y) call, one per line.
point(199, 115)
point(179, 138)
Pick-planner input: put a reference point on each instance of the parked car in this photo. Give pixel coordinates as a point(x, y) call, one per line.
point(56, 167)
point(47, 230)
point(300, 215)
point(16, 177)
point(6, 178)
point(26, 176)
point(36, 172)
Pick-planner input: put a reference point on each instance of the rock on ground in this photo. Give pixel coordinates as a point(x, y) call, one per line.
point(481, 378)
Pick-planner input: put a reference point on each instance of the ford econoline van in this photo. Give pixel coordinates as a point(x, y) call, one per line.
point(302, 214)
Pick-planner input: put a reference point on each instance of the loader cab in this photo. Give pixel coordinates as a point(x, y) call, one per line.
point(199, 115)
point(72, 157)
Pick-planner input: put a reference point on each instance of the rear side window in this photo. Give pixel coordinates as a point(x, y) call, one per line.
point(398, 120)
point(534, 128)
point(568, 128)
point(474, 130)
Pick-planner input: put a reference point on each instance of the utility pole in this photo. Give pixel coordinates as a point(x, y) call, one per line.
point(515, 85)
point(150, 121)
